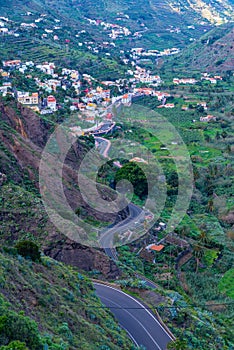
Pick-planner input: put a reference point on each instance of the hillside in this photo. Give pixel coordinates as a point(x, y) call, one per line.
point(48, 305)
point(213, 52)
point(147, 23)
point(217, 12)
point(22, 138)
point(96, 39)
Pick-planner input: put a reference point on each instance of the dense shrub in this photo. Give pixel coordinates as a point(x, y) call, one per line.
point(19, 327)
point(28, 249)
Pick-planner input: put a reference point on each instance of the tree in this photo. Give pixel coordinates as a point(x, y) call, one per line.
point(228, 149)
point(28, 249)
point(198, 253)
point(209, 186)
point(210, 206)
point(184, 231)
point(224, 134)
point(133, 173)
point(200, 109)
point(20, 329)
point(207, 138)
point(204, 237)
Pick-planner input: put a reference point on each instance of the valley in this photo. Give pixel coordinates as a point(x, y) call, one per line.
point(116, 175)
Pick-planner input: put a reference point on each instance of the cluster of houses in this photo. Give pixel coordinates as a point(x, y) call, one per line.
point(90, 102)
point(202, 104)
point(44, 105)
point(178, 81)
point(127, 98)
point(68, 79)
point(208, 118)
point(114, 30)
point(144, 76)
point(5, 28)
point(51, 28)
point(212, 80)
point(205, 76)
point(93, 100)
point(138, 52)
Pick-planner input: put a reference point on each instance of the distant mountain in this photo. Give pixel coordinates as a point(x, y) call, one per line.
point(213, 52)
point(156, 22)
point(215, 12)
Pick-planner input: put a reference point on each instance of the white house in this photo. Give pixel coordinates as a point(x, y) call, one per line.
point(51, 103)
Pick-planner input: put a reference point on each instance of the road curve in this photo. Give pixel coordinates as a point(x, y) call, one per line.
point(105, 146)
point(107, 236)
point(142, 326)
point(135, 213)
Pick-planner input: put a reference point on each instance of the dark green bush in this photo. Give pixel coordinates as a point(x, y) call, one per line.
point(17, 327)
point(28, 249)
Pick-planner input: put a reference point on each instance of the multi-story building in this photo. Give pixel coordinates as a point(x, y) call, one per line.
point(26, 99)
point(51, 103)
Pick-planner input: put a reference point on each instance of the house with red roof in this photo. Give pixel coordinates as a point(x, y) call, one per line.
point(155, 247)
point(51, 103)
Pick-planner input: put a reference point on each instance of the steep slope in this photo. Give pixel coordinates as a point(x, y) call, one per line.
point(23, 136)
point(214, 52)
point(216, 12)
point(61, 302)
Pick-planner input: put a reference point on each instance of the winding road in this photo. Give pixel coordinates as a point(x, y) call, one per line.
point(106, 239)
point(141, 325)
point(136, 214)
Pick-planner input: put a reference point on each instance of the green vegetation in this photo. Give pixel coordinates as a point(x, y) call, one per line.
point(61, 303)
point(212, 52)
point(133, 173)
point(46, 304)
point(28, 249)
point(15, 345)
point(195, 265)
point(159, 28)
point(226, 283)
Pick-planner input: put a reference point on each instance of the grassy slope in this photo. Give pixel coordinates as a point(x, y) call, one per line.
point(212, 52)
point(61, 301)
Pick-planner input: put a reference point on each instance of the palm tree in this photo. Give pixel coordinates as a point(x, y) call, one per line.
point(198, 252)
point(204, 237)
point(210, 206)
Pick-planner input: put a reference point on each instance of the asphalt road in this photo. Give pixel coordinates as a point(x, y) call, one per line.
point(135, 214)
point(142, 326)
point(103, 146)
point(107, 236)
point(104, 129)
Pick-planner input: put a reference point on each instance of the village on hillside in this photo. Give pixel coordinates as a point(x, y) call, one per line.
point(52, 88)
